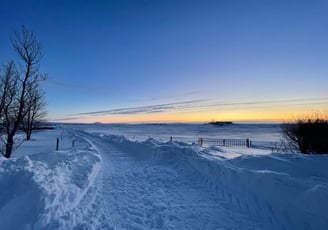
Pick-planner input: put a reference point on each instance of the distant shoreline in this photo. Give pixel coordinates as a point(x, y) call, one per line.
point(164, 123)
point(220, 123)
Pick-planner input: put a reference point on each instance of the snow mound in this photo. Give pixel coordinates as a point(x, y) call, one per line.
point(37, 190)
point(284, 191)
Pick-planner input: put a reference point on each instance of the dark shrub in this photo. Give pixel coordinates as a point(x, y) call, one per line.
point(310, 136)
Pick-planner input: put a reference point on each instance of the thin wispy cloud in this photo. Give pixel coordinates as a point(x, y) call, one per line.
point(64, 119)
point(144, 109)
point(200, 105)
point(75, 87)
point(295, 101)
point(177, 95)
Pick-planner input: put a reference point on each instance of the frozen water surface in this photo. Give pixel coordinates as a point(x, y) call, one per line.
point(190, 132)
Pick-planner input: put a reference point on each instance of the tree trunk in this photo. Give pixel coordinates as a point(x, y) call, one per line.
point(303, 146)
point(9, 146)
point(28, 134)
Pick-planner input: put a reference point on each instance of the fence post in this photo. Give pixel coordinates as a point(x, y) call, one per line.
point(73, 143)
point(248, 143)
point(171, 138)
point(57, 144)
point(200, 141)
point(223, 142)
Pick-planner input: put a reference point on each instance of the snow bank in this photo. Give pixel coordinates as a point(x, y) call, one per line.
point(288, 191)
point(37, 190)
point(284, 191)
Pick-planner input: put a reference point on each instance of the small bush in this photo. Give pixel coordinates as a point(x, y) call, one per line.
point(309, 136)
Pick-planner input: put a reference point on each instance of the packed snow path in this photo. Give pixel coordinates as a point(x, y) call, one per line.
point(137, 191)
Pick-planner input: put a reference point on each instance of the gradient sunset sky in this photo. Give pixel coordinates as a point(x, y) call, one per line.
point(177, 60)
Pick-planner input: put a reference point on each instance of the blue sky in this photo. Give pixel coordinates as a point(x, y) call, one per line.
point(157, 60)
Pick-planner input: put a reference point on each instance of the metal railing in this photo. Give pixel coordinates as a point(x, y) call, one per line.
point(225, 142)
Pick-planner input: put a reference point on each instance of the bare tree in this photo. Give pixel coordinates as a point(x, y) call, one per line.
point(36, 111)
point(16, 94)
point(9, 85)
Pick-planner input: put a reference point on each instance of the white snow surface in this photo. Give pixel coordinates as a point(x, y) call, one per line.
point(107, 181)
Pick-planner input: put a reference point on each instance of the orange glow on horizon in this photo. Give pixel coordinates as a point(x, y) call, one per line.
point(268, 113)
point(253, 116)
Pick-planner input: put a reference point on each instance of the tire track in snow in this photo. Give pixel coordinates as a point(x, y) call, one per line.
point(145, 194)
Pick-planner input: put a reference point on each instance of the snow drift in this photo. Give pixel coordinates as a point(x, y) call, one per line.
point(37, 190)
point(284, 191)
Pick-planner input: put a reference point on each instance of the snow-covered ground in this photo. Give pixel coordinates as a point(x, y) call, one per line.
point(116, 177)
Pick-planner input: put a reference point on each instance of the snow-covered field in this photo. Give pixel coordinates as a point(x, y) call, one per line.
point(134, 177)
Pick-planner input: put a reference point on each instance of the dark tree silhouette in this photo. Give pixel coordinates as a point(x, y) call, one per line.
point(8, 80)
point(309, 136)
point(19, 84)
point(36, 111)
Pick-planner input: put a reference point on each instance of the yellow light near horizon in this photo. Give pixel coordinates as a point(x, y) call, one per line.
point(268, 114)
point(250, 117)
